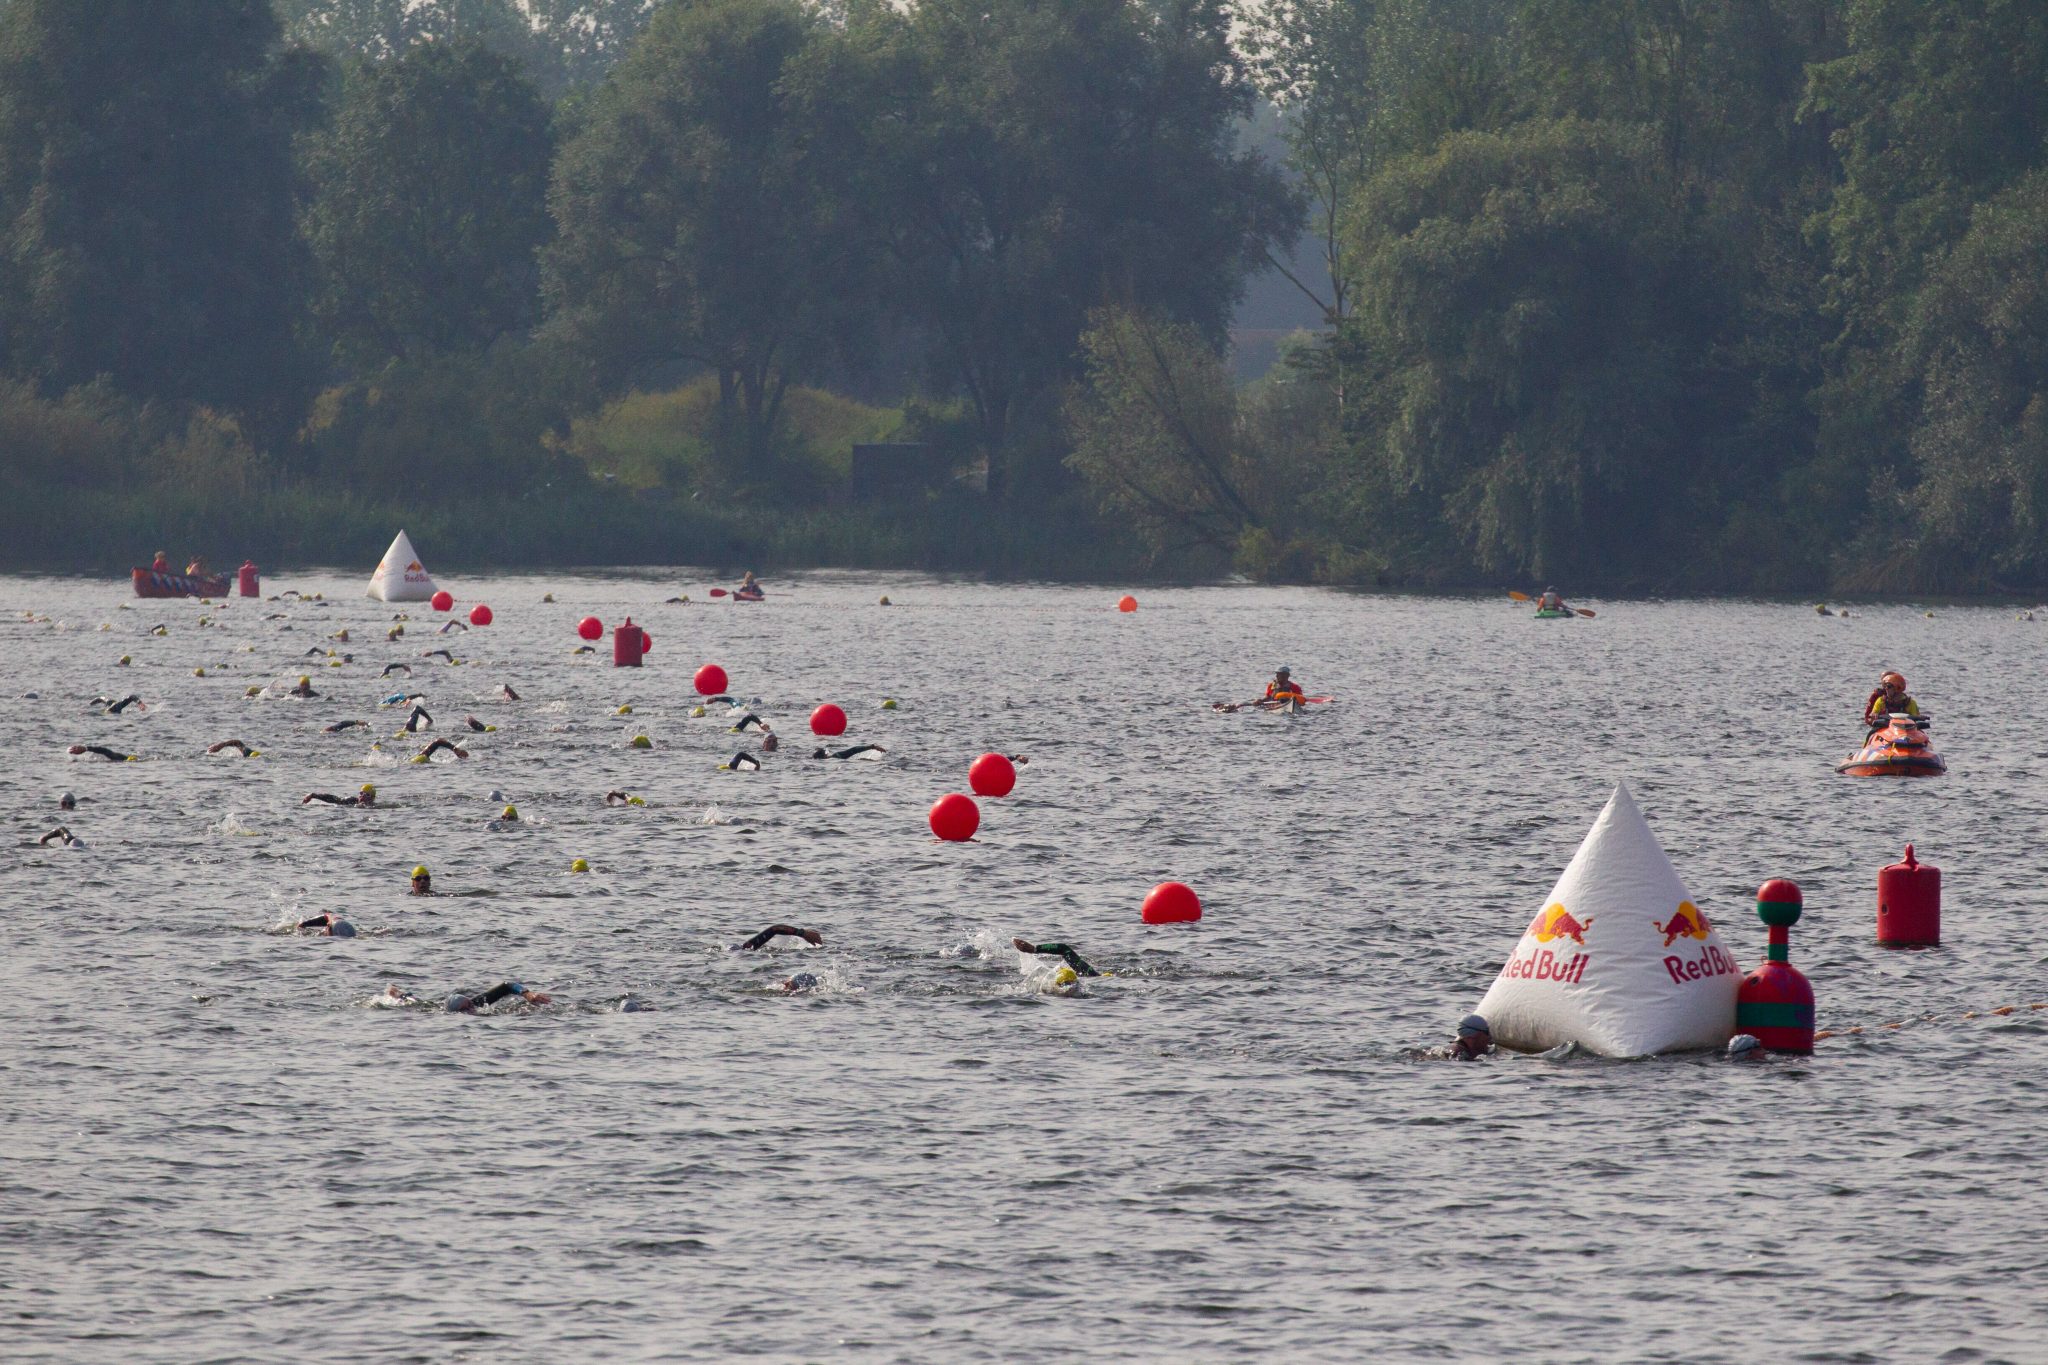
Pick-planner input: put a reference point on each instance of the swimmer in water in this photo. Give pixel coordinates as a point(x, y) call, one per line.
point(1065, 981)
point(473, 723)
point(1059, 950)
point(470, 1004)
point(751, 719)
point(810, 936)
point(389, 669)
point(769, 743)
point(740, 762)
point(1474, 1040)
point(67, 802)
point(115, 708)
point(452, 625)
point(61, 837)
point(855, 752)
point(237, 745)
point(438, 654)
point(341, 725)
point(1745, 1047)
point(436, 747)
point(366, 795)
point(505, 691)
point(402, 698)
point(800, 983)
point(508, 816)
point(80, 750)
point(422, 881)
point(619, 798)
point(330, 925)
point(419, 720)
point(304, 689)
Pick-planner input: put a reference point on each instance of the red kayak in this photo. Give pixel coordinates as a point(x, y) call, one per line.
point(150, 583)
point(1898, 748)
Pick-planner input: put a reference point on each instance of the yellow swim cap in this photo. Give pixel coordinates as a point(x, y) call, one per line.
point(579, 866)
point(635, 801)
point(509, 813)
point(1065, 976)
point(624, 711)
point(642, 742)
point(696, 710)
point(888, 703)
point(420, 871)
point(305, 680)
point(125, 659)
point(370, 787)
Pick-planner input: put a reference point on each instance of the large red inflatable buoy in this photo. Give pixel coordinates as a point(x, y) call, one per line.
point(992, 775)
point(830, 720)
point(1909, 903)
point(710, 680)
point(442, 600)
point(590, 628)
point(954, 817)
point(479, 615)
point(1172, 903)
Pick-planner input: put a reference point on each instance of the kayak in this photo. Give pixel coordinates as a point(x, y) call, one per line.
point(150, 583)
point(1898, 748)
point(1545, 614)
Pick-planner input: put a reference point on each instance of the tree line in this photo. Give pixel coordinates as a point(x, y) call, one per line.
point(1706, 294)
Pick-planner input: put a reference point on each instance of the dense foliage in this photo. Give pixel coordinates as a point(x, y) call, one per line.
point(1720, 294)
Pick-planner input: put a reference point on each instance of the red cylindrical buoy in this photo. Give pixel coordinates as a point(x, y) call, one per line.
point(590, 628)
point(710, 680)
point(1127, 603)
point(1909, 903)
point(442, 600)
point(954, 817)
point(479, 615)
point(829, 719)
point(629, 642)
point(992, 775)
point(1172, 903)
point(1775, 1002)
point(246, 581)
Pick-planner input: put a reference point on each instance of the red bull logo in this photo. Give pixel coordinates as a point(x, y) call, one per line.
point(1689, 921)
point(1556, 922)
point(414, 567)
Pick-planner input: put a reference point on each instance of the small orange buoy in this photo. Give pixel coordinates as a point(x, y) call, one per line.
point(992, 775)
point(479, 615)
point(1127, 603)
point(954, 817)
point(1172, 903)
point(442, 601)
point(829, 719)
point(590, 628)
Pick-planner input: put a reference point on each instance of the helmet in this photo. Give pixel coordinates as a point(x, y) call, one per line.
point(1283, 669)
point(1894, 680)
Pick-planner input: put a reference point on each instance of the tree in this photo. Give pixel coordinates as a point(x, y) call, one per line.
point(1530, 326)
point(430, 203)
point(147, 214)
point(561, 44)
point(698, 220)
point(1032, 160)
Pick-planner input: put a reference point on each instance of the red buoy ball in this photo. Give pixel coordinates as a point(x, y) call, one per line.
point(830, 720)
point(1172, 903)
point(479, 615)
point(710, 680)
point(646, 643)
point(590, 628)
point(443, 600)
point(954, 817)
point(992, 775)
point(1127, 603)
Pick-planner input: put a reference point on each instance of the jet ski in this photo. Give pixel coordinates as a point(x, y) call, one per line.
point(1898, 748)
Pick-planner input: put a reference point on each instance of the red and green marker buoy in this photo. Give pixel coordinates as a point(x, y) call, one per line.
point(1775, 1002)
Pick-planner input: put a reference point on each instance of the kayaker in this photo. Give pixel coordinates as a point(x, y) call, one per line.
point(1059, 950)
point(1889, 695)
point(749, 590)
point(1548, 600)
point(760, 940)
point(1283, 687)
point(1474, 1040)
point(366, 795)
point(161, 564)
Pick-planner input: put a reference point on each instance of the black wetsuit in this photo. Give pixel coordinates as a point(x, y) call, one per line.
point(341, 725)
point(104, 752)
point(389, 669)
point(473, 723)
point(438, 653)
point(742, 761)
point(441, 744)
point(334, 800)
point(750, 719)
point(335, 926)
point(760, 940)
point(470, 1004)
point(419, 720)
point(855, 752)
point(1072, 958)
point(122, 705)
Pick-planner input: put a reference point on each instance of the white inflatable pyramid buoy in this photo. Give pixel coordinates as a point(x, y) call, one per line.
point(1619, 960)
point(400, 576)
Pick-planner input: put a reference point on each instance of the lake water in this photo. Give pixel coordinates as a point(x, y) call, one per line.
point(212, 1145)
